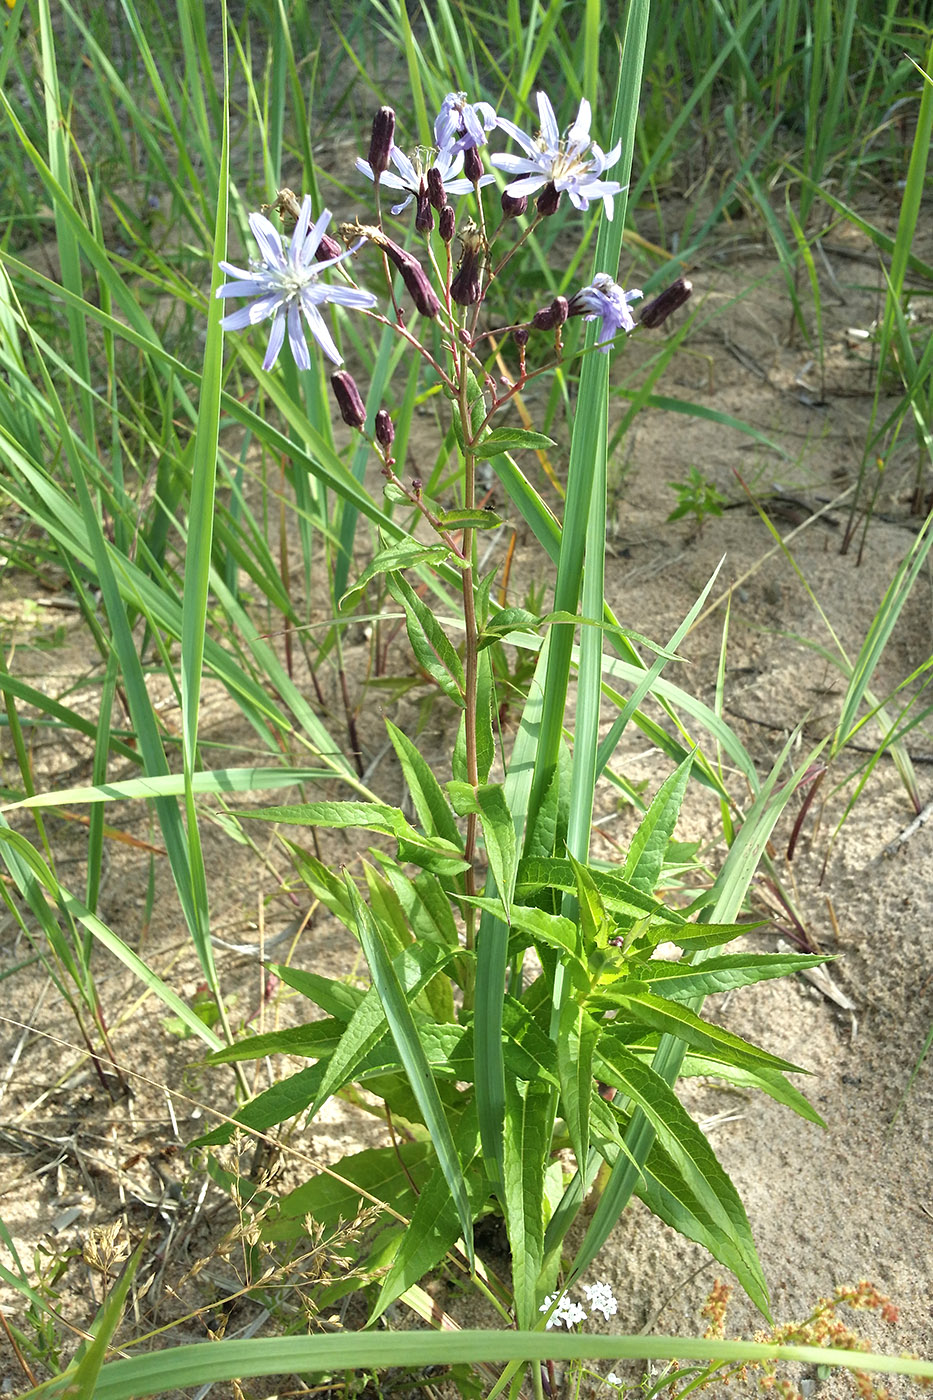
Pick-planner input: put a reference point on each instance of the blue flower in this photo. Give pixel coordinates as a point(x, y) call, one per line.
point(604, 300)
point(284, 285)
point(573, 163)
point(412, 174)
point(461, 126)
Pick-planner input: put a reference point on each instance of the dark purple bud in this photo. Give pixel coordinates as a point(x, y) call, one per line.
point(424, 214)
point(467, 286)
point(520, 336)
point(414, 277)
point(352, 408)
point(417, 485)
point(327, 248)
point(447, 223)
point(656, 312)
point(472, 164)
point(513, 208)
point(381, 140)
point(385, 429)
point(548, 199)
point(436, 192)
point(552, 316)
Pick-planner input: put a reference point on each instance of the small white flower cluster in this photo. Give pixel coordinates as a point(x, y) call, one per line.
point(601, 1299)
point(568, 1313)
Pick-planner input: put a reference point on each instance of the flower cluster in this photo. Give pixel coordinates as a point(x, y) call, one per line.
point(567, 1313)
point(285, 284)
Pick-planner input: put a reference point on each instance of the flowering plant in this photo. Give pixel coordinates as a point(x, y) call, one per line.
point(524, 1002)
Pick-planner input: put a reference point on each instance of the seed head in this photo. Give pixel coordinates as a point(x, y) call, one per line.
point(472, 164)
point(424, 214)
point(381, 140)
point(436, 192)
point(656, 312)
point(550, 317)
point(514, 206)
point(466, 287)
point(349, 400)
point(548, 200)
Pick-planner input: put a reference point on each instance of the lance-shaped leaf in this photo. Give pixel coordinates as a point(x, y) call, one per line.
point(527, 1148)
point(432, 648)
point(411, 1052)
point(683, 1176)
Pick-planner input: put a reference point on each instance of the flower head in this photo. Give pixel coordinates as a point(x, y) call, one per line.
point(284, 286)
point(460, 126)
point(601, 1299)
point(567, 1313)
point(573, 163)
point(412, 177)
point(604, 301)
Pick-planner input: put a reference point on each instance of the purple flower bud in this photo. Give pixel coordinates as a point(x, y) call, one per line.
point(327, 248)
point(513, 207)
point(385, 429)
point(381, 141)
point(520, 336)
point(472, 164)
point(551, 316)
point(436, 192)
point(466, 287)
point(424, 214)
point(352, 408)
point(548, 199)
point(447, 223)
point(656, 312)
point(414, 277)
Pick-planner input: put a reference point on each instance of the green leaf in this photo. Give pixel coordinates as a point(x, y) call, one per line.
point(485, 717)
point(536, 873)
point(391, 1175)
point(671, 1019)
point(513, 439)
point(645, 858)
point(431, 646)
point(682, 1177)
point(477, 409)
point(426, 792)
point(489, 803)
point(576, 1043)
point(405, 1034)
point(769, 1081)
point(527, 1148)
point(337, 999)
point(405, 554)
point(435, 1225)
point(469, 519)
point(432, 854)
point(410, 972)
point(681, 981)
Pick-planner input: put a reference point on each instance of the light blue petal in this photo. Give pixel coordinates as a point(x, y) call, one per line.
point(518, 135)
point(579, 133)
point(276, 336)
point(296, 337)
point(320, 332)
point(549, 128)
point(269, 240)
